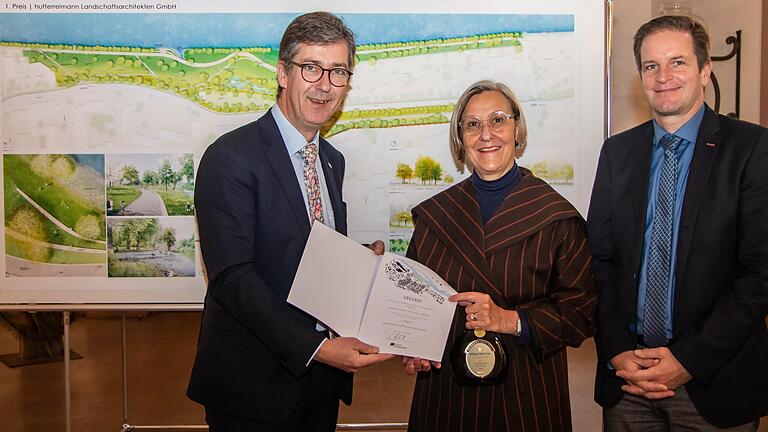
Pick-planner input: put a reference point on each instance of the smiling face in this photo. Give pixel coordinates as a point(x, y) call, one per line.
point(672, 81)
point(309, 105)
point(491, 153)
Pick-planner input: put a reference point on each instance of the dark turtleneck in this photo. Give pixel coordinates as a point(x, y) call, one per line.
point(491, 193)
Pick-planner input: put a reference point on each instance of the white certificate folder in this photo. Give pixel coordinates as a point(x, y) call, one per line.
point(389, 301)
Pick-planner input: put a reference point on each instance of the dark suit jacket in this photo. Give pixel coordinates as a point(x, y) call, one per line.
point(721, 294)
point(253, 225)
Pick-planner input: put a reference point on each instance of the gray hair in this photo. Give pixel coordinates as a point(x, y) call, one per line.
point(521, 137)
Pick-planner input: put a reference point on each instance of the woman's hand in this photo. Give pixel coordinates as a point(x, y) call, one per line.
point(482, 312)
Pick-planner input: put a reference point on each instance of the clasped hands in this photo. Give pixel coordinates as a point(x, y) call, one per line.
point(653, 373)
point(480, 312)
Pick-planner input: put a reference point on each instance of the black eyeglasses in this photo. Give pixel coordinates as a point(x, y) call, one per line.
point(312, 72)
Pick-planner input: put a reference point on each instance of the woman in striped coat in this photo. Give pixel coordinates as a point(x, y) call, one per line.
point(516, 251)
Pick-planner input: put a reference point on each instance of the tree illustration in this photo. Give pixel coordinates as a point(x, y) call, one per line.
point(437, 172)
point(404, 171)
point(112, 173)
point(166, 174)
point(448, 179)
point(424, 168)
point(404, 217)
point(168, 238)
point(149, 178)
point(130, 175)
point(187, 170)
point(539, 169)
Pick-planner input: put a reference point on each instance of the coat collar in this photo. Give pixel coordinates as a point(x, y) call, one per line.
point(528, 209)
point(454, 216)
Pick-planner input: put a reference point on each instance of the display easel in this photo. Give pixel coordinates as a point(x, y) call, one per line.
point(66, 310)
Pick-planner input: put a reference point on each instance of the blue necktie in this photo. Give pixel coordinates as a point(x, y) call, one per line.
point(660, 248)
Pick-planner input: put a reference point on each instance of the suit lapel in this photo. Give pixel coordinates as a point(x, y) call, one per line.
point(704, 154)
point(329, 172)
point(280, 161)
point(639, 176)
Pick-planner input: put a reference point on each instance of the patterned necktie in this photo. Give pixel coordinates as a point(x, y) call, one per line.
point(660, 248)
point(312, 182)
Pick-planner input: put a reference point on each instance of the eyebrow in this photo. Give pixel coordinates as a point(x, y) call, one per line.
point(319, 62)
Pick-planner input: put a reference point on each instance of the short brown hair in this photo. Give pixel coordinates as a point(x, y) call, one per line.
point(314, 28)
point(521, 137)
point(679, 23)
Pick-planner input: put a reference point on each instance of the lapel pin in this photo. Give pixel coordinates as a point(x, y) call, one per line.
point(709, 144)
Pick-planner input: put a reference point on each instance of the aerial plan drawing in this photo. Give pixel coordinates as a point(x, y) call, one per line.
point(76, 88)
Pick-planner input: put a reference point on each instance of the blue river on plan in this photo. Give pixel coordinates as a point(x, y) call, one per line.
point(187, 30)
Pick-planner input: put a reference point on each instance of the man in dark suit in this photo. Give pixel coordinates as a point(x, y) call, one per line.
point(262, 364)
point(678, 227)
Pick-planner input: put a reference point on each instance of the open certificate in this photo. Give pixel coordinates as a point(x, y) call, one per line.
point(389, 301)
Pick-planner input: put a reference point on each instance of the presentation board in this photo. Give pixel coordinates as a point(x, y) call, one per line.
point(106, 109)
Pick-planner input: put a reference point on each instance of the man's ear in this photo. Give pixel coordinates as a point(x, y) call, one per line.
point(705, 73)
point(282, 74)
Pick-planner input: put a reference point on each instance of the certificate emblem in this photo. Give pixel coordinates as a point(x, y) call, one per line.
point(478, 357)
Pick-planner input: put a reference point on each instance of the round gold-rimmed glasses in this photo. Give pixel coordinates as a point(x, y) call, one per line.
point(497, 121)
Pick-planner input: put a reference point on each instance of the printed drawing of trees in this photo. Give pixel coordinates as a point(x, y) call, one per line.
point(134, 234)
point(403, 218)
point(167, 175)
point(113, 174)
point(168, 238)
point(187, 170)
point(428, 169)
point(130, 175)
point(404, 171)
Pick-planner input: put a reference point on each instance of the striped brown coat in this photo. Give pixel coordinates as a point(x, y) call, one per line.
point(531, 255)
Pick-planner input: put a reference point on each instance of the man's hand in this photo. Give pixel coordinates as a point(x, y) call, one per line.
point(628, 363)
point(667, 372)
point(377, 247)
point(349, 354)
point(415, 364)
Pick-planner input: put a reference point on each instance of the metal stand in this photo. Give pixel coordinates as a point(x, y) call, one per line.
point(67, 383)
point(735, 52)
point(124, 348)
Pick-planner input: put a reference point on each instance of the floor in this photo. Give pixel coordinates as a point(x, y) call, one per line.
point(160, 351)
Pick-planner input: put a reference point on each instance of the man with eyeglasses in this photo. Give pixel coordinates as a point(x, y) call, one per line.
point(262, 364)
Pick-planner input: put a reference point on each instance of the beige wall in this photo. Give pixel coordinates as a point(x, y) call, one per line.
point(723, 18)
point(628, 107)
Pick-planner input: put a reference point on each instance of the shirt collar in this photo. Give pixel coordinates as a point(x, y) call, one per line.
point(688, 131)
point(294, 140)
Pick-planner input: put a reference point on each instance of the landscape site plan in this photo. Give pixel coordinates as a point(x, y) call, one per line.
point(98, 110)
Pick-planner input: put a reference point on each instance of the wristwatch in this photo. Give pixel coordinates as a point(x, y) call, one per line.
point(518, 327)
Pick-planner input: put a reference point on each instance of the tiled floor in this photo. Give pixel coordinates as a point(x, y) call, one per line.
point(160, 351)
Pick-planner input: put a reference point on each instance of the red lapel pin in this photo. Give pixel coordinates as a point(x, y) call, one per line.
point(711, 145)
